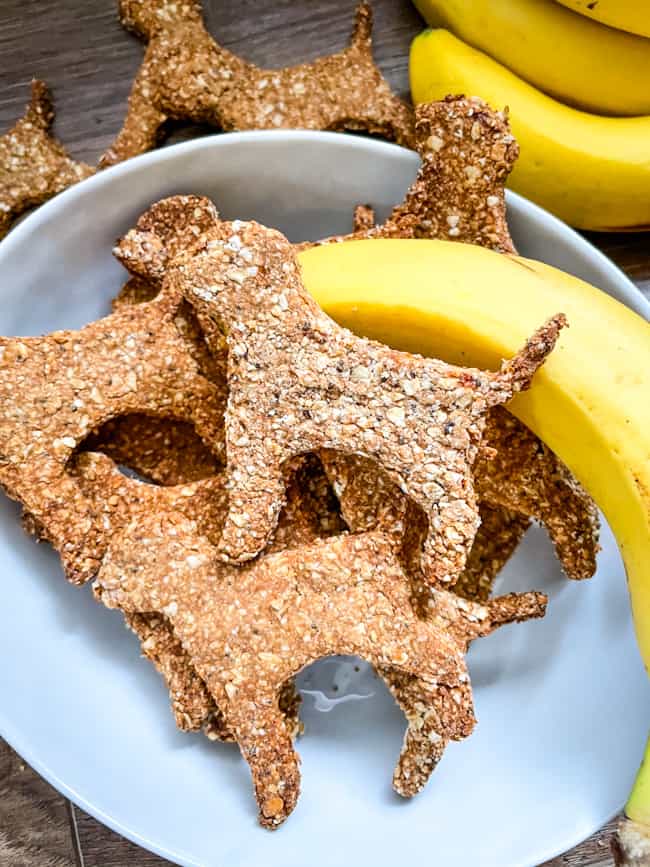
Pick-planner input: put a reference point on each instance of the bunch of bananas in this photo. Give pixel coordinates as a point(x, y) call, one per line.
point(577, 86)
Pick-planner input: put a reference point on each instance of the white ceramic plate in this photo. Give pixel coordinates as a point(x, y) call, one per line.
point(562, 703)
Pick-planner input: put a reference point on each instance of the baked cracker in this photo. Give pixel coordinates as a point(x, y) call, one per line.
point(187, 75)
point(55, 390)
point(345, 595)
point(298, 382)
point(34, 166)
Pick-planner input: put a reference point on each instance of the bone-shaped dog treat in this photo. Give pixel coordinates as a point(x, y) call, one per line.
point(55, 390)
point(299, 382)
point(187, 75)
point(343, 595)
point(34, 166)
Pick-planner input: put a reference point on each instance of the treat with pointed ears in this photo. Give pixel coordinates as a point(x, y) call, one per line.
point(298, 382)
point(344, 595)
point(187, 75)
point(55, 390)
point(34, 166)
point(467, 153)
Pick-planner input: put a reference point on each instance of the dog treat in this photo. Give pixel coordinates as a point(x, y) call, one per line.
point(187, 75)
point(299, 382)
point(363, 218)
point(71, 382)
point(309, 514)
point(516, 478)
point(426, 190)
point(450, 199)
point(467, 153)
point(342, 595)
point(34, 166)
point(522, 474)
point(494, 544)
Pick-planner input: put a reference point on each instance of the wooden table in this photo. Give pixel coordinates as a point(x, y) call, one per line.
point(79, 48)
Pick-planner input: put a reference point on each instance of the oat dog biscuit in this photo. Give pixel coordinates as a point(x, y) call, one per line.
point(467, 153)
point(187, 75)
point(299, 382)
point(55, 390)
point(496, 541)
point(119, 500)
point(342, 595)
point(514, 469)
point(516, 478)
point(33, 165)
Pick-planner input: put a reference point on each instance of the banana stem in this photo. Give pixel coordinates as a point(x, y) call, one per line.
point(631, 845)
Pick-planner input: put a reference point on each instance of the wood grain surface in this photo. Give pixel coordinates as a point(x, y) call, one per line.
point(78, 47)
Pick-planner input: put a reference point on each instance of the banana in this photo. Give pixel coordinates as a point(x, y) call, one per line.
point(589, 402)
point(632, 16)
point(518, 33)
point(592, 171)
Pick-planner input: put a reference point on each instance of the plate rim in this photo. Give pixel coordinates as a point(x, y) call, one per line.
point(633, 296)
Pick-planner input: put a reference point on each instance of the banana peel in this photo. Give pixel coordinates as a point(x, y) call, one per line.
point(592, 171)
point(633, 16)
point(518, 33)
point(589, 402)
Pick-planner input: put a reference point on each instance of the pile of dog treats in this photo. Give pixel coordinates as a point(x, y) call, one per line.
point(314, 493)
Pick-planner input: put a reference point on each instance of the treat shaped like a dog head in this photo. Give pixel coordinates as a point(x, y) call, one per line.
point(467, 153)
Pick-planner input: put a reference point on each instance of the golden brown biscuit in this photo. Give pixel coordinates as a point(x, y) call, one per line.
point(34, 166)
point(187, 75)
point(55, 390)
point(344, 595)
point(467, 153)
point(298, 382)
point(117, 500)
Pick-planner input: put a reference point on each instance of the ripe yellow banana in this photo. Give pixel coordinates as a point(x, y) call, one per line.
point(576, 60)
point(592, 171)
point(589, 402)
point(630, 15)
